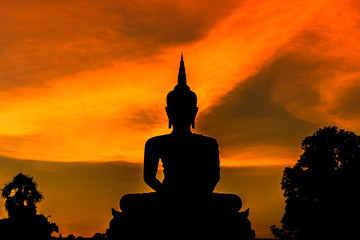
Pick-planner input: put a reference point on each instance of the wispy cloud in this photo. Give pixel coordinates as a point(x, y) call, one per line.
point(89, 82)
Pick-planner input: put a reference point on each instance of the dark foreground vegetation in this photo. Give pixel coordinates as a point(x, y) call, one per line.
point(321, 188)
point(21, 198)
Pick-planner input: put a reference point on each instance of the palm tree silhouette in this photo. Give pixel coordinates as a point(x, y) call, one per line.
point(21, 196)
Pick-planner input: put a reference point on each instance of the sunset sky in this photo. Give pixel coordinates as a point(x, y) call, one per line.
point(83, 86)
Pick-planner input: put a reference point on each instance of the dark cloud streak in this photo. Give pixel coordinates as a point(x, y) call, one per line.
point(248, 116)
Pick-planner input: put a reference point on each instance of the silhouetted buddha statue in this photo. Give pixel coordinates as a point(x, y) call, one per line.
point(190, 162)
point(183, 205)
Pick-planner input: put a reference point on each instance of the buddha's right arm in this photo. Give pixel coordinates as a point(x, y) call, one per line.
point(151, 162)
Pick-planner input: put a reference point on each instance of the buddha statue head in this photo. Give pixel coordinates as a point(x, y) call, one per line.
point(181, 102)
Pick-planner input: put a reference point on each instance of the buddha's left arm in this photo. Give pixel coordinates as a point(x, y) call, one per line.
point(214, 170)
point(216, 164)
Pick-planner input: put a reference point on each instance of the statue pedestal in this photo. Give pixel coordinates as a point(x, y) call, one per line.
point(180, 225)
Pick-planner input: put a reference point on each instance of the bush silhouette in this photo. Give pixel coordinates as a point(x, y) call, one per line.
point(320, 189)
point(21, 197)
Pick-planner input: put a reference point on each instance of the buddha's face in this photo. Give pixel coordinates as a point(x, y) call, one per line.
point(181, 117)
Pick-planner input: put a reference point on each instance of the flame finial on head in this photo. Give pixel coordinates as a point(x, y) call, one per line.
point(182, 74)
point(181, 96)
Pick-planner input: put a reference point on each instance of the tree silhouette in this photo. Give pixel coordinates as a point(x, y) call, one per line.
point(21, 197)
point(320, 189)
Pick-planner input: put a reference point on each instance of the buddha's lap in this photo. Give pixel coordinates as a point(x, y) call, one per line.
point(140, 202)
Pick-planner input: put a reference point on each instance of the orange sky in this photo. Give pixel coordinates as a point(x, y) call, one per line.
point(86, 81)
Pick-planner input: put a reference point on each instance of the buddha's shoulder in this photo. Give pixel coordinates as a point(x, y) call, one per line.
point(205, 139)
point(157, 139)
point(168, 137)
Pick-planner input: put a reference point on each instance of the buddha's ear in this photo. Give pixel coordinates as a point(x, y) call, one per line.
point(168, 114)
point(194, 115)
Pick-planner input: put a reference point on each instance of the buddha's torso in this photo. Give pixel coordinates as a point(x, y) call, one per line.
point(191, 162)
